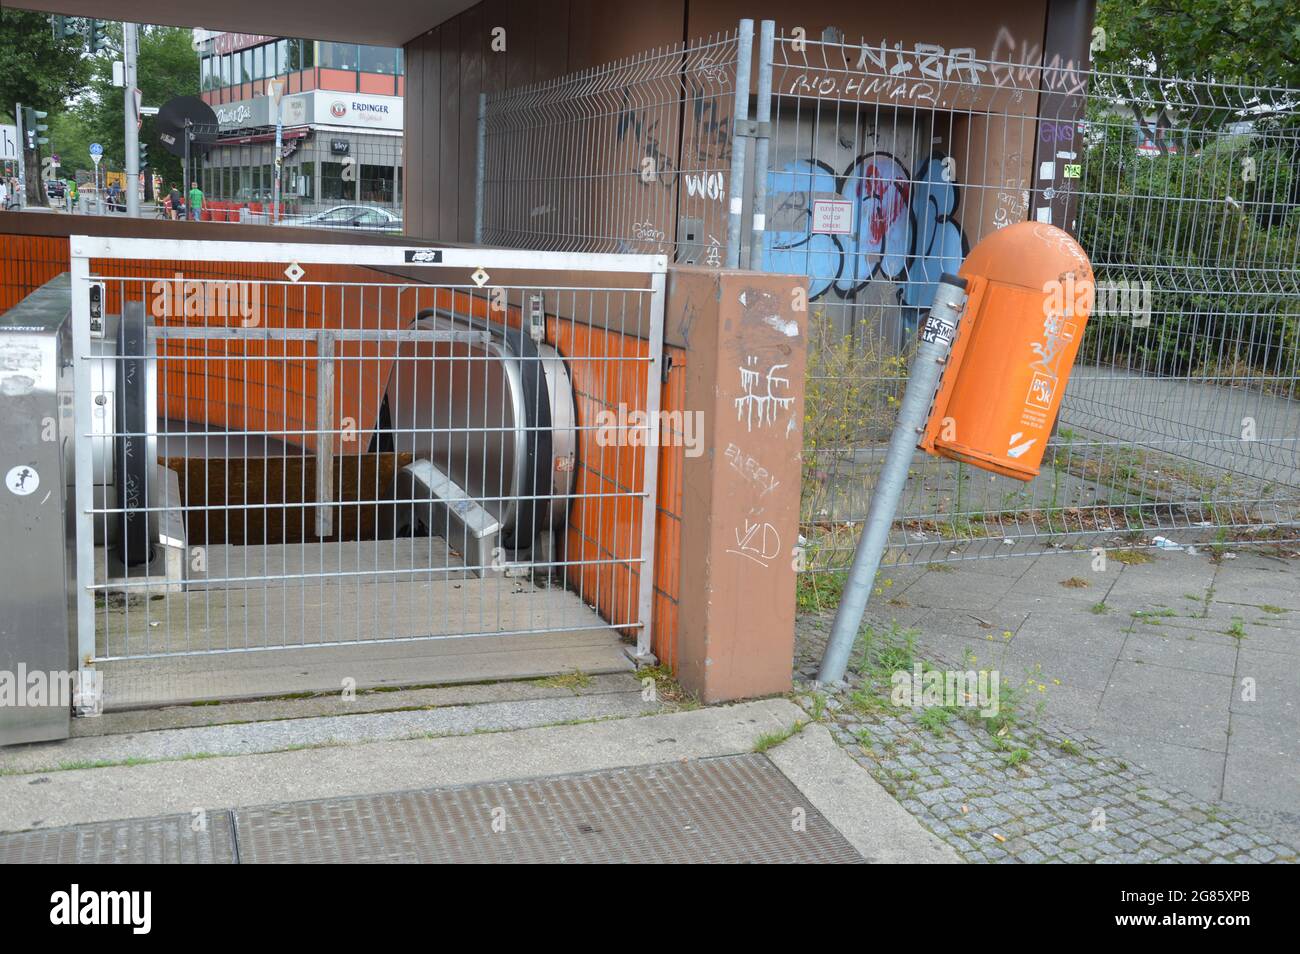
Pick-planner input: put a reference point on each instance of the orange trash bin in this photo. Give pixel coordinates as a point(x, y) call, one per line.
point(1030, 290)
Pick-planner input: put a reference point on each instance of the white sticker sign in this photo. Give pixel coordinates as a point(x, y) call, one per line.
point(832, 216)
point(22, 480)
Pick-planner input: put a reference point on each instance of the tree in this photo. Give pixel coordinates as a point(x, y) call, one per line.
point(1253, 42)
point(1239, 60)
point(167, 66)
point(37, 70)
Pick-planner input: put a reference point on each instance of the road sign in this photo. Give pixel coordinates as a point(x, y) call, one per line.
point(96, 150)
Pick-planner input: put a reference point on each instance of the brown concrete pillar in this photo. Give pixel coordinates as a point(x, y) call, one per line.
point(746, 349)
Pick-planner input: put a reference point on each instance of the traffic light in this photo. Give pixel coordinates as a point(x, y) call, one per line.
point(144, 155)
point(97, 36)
point(64, 27)
point(33, 127)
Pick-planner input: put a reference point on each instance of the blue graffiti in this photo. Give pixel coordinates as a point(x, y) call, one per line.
point(940, 245)
point(798, 250)
point(902, 229)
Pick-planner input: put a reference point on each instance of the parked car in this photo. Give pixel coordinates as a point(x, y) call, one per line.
point(371, 218)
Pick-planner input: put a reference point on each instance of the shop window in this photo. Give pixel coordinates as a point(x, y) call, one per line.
point(308, 185)
point(377, 59)
point(338, 56)
point(332, 183)
point(377, 184)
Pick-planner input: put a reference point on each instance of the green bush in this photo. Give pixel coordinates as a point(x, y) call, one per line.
point(1218, 246)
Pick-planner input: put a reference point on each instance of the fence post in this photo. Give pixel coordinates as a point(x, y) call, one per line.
point(762, 136)
point(736, 188)
point(480, 168)
point(922, 382)
point(325, 434)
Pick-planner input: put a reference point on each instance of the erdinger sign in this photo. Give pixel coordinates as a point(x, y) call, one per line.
point(357, 109)
point(1030, 290)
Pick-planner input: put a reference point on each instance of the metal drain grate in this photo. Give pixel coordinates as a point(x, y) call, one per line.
point(170, 839)
point(733, 809)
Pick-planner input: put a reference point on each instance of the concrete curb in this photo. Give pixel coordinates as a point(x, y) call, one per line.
point(855, 803)
point(166, 788)
point(281, 735)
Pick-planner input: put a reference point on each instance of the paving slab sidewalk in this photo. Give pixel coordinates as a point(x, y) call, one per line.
point(1185, 666)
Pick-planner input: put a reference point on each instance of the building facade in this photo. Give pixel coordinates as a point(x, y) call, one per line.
point(342, 124)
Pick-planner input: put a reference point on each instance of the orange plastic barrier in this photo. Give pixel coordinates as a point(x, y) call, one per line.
point(1031, 290)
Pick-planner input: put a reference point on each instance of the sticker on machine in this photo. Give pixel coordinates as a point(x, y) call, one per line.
point(22, 480)
point(936, 329)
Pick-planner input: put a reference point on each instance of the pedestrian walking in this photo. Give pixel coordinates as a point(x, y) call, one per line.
point(196, 201)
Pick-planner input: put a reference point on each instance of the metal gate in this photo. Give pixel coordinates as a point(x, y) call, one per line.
point(872, 169)
point(286, 446)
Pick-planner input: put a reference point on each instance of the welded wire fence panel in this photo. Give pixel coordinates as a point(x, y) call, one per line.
point(317, 453)
point(1180, 419)
point(884, 167)
point(632, 156)
point(1185, 396)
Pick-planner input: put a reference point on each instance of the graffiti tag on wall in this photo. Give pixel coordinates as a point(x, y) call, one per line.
point(927, 72)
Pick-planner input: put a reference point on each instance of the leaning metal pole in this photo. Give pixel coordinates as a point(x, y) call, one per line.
point(922, 382)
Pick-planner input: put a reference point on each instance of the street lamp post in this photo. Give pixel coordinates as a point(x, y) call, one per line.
point(275, 89)
point(131, 121)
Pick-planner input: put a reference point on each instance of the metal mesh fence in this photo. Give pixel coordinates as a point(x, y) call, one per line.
point(633, 156)
point(328, 453)
point(882, 167)
point(1180, 419)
